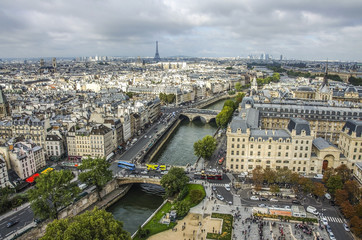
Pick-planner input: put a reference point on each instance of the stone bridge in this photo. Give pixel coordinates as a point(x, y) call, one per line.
point(138, 179)
point(205, 115)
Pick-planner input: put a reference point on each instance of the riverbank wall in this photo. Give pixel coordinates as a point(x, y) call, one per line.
point(110, 194)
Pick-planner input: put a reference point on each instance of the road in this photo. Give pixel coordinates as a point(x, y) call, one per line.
point(24, 216)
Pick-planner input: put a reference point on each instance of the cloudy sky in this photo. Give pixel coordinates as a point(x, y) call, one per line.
point(299, 29)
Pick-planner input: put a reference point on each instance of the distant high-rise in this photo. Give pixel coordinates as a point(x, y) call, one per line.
point(42, 62)
point(54, 63)
point(157, 55)
point(281, 57)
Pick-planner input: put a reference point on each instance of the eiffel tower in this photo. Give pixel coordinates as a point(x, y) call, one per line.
point(157, 55)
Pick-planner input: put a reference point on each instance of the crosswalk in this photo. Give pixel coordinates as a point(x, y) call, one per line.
point(334, 219)
point(218, 184)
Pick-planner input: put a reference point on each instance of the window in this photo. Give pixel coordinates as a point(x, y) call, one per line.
point(238, 139)
point(306, 155)
point(231, 166)
point(287, 147)
point(251, 152)
point(251, 146)
point(269, 147)
point(280, 147)
point(279, 154)
point(301, 148)
point(296, 148)
point(286, 154)
point(278, 161)
point(250, 160)
point(237, 152)
point(295, 155)
point(232, 152)
point(258, 153)
point(269, 153)
point(238, 146)
point(233, 139)
point(312, 168)
point(259, 146)
point(237, 160)
point(243, 146)
point(232, 160)
point(237, 166)
point(232, 145)
point(250, 166)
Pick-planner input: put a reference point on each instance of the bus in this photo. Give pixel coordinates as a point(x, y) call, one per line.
point(32, 178)
point(156, 167)
point(126, 165)
point(209, 175)
point(49, 169)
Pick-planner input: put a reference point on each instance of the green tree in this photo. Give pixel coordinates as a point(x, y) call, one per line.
point(238, 86)
point(174, 181)
point(344, 172)
point(327, 174)
point(229, 103)
point(205, 147)
point(276, 77)
point(239, 98)
point(274, 188)
point(270, 175)
point(196, 196)
point(182, 208)
point(130, 94)
point(284, 175)
point(319, 189)
point(306, 184)
point(95, 172)
point(171, 98)
point(334, 183)
point(258, 176)
point(5, 202)
point(95, 224)
point(223, 118)
point(52, 192)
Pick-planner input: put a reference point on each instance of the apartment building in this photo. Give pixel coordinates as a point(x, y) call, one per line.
point(89, 141)
point(350, 142)
point(4, 178)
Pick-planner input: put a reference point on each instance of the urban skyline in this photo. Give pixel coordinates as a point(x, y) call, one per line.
point(297, 30)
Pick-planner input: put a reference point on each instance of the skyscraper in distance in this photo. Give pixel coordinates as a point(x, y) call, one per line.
point(157, 55)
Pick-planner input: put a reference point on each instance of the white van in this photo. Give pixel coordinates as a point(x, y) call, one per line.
point(82, 186)
point(312, 210)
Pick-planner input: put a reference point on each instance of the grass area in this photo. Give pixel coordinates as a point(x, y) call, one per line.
point(154, 226)
point(302, 219)
point(227, 227)
point(194, 187)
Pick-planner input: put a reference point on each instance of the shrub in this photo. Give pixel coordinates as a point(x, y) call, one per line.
point(196, 196)
point(183, 193)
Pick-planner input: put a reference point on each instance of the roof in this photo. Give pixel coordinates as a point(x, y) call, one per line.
point(321, 143)
point(2, 97)
point(353, 126)
point(305, 89)
point(299, 125)
point(266, 134)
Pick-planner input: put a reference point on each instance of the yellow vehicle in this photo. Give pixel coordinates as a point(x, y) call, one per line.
point(156, 167)
point(47, 170)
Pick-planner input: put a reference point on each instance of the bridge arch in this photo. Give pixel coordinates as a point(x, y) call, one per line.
point(131, 180)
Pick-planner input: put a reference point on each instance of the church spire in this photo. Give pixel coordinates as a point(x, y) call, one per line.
point(325, 79)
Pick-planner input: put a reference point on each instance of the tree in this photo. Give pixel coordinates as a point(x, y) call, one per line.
point(344, 172)
point(284, 175)
point(270, 175)
point(356, 226)
point(353, 190)
point(238, 86)
point(239, 98)
point(327, 174)
point(274, 188)
point(223, 118)
point(171, 98)
point(95, 172)
point(319, 189)
point(341, 196)
point(174, 181)
point(182, 208)
point(95, 224)
point(52, 192)
point(334, 183)
point(130, 94)
point(205, 147)
point(306, 184)
point(348, 210)
point(229, 103)
point(196, 196)
point(276, 77)
point(258, 175)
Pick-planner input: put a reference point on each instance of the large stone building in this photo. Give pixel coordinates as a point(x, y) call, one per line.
point(89, 141)
point(291, 143)
point(4, 178)
point(4, 105)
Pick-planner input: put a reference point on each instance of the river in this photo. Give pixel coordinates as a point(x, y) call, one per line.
point(143, 199)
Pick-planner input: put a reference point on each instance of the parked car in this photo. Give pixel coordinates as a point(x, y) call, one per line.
point(213, 188)
point(273, 200)
point(328, 228)
point(227, 187)
point(346, 227)
point(318, 176)
point(296, 202)
point(328, 196)
point(254, 198)
point(221, 198)
point(11, 223)
point(287, 207)
point(331, 236)
point(264, 199)
point(144, 172)
point(261, 205)
point(324, 221)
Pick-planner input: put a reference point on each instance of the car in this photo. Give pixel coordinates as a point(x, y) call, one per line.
point(221, 161)
point(318, 176)
point(324, 221)
point(346, 227)
point(145, 136)
point(164, 172)
point(331, 236)
point(150, 137)
point(287, 207)
point(221, 198)
point(213, 188)
point(11, 223)
point(273, 200)
point(328, 228)
point(261, 205)
point(254, 198)
point(296, 202)
point(144, 172)
point(328, 196)
point(264, 199)
point(227, 187)
point(312, 210)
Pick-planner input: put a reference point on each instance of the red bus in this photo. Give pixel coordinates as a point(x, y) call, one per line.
point(31, 179)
